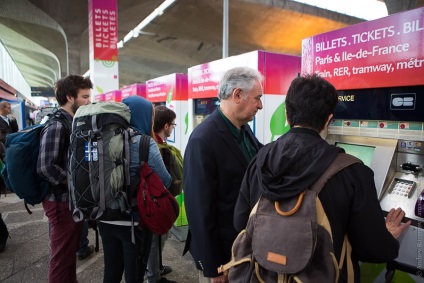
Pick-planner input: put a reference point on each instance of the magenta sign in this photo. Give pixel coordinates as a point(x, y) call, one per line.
point(386, 52)
point(103, 29)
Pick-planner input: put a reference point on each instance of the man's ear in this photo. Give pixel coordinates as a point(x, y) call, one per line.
point(328, 121)
point(237, 95)
point(287, 118)
point(70, 98)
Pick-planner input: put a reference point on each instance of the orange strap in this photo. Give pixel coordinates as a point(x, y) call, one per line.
point(295, 208)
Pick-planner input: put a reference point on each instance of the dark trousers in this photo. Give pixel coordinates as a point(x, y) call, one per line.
point(65, 235)
point(120, 254)
point(3, 231)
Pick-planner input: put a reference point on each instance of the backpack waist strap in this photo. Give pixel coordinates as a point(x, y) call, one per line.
point(57, 189)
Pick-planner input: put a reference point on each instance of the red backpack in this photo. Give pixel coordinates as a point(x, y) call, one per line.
point(157, 207)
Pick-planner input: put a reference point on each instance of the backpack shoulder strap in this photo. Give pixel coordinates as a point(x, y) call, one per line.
point(342, 161)
point(144, 148)
point(57, 115)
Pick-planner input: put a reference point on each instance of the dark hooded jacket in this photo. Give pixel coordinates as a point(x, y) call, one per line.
point(286, 167)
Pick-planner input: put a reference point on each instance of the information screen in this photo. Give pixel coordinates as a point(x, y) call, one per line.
point(363, 152)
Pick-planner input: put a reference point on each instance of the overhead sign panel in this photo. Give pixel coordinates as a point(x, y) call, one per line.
point(381, 53)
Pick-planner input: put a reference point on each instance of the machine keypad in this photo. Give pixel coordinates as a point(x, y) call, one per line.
point(403, 188)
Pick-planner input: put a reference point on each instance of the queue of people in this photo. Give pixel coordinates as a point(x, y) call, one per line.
point(225, 171)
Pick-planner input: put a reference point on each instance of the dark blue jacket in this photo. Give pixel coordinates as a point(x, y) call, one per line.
point(213, 170)
point(294, 162)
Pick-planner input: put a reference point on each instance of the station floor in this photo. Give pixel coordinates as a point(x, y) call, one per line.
point(26, 257)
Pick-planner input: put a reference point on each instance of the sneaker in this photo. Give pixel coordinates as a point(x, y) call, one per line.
point(165, 270)
point(87, 253)
point(164, 280)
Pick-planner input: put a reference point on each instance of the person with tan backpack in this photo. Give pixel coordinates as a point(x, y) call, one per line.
point(295, 231)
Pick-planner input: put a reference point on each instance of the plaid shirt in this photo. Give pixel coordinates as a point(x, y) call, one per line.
point(53, 157)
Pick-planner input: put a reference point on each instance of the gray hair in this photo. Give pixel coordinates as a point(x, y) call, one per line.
point(240, 77)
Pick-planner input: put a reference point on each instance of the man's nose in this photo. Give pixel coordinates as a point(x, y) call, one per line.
point(260, 104)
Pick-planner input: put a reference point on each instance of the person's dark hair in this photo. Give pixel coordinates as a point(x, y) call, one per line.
point(163, 116)
point(70, 85)
point(310, 100)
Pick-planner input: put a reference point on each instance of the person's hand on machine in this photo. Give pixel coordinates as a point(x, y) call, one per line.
point(394, 222)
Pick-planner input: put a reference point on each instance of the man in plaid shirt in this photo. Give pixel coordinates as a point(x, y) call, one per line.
point(71, 92)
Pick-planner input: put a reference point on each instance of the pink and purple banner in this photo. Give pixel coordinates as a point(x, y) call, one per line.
point(99, 97)
point(386, 52)
point(112, 96)
point(134, 89)
point(167, 88)
point(278, 71)
point(103, 29)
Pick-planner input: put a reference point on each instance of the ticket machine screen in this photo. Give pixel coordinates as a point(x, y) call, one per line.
point(363, 152)
point(205, 106)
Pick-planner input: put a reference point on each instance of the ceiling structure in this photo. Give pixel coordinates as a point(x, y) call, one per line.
point(49, 39)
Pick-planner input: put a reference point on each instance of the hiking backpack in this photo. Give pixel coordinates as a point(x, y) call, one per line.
point(20, 170)
point(99, 156)
point(158, 208)
point(291, 240)
point(174, 164)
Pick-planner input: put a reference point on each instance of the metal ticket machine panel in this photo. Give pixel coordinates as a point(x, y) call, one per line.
point(404, 191)
point(399, 180)
point(203, 108)
point(376, 153)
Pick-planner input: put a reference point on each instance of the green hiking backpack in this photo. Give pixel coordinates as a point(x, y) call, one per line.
point(99, 161)
point(291, 240)
point(173, 161)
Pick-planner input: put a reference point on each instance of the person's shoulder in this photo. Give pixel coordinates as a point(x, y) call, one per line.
point(207, 127)
point(54, 124)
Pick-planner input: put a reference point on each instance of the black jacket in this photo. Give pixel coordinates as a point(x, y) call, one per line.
point(6, 129)
point(213, 169)
point(295, 161)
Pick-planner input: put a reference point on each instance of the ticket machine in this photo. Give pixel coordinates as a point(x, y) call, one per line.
point(278, 71)
point(99, 97)
point(111, 96)
point(203, 107)
point(134, 89)
point(171, 90)
point(380, 120)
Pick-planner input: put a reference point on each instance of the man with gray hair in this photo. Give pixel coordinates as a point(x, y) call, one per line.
point(216, 157)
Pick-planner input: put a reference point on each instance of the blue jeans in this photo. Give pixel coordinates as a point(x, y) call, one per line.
point(153, 264)
point(120, 254)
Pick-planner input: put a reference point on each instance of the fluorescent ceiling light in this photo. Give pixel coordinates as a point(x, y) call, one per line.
point(128, 36)
point(137, 30)
point(156, 13)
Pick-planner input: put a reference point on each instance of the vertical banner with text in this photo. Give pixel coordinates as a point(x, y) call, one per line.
point(103, 37)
